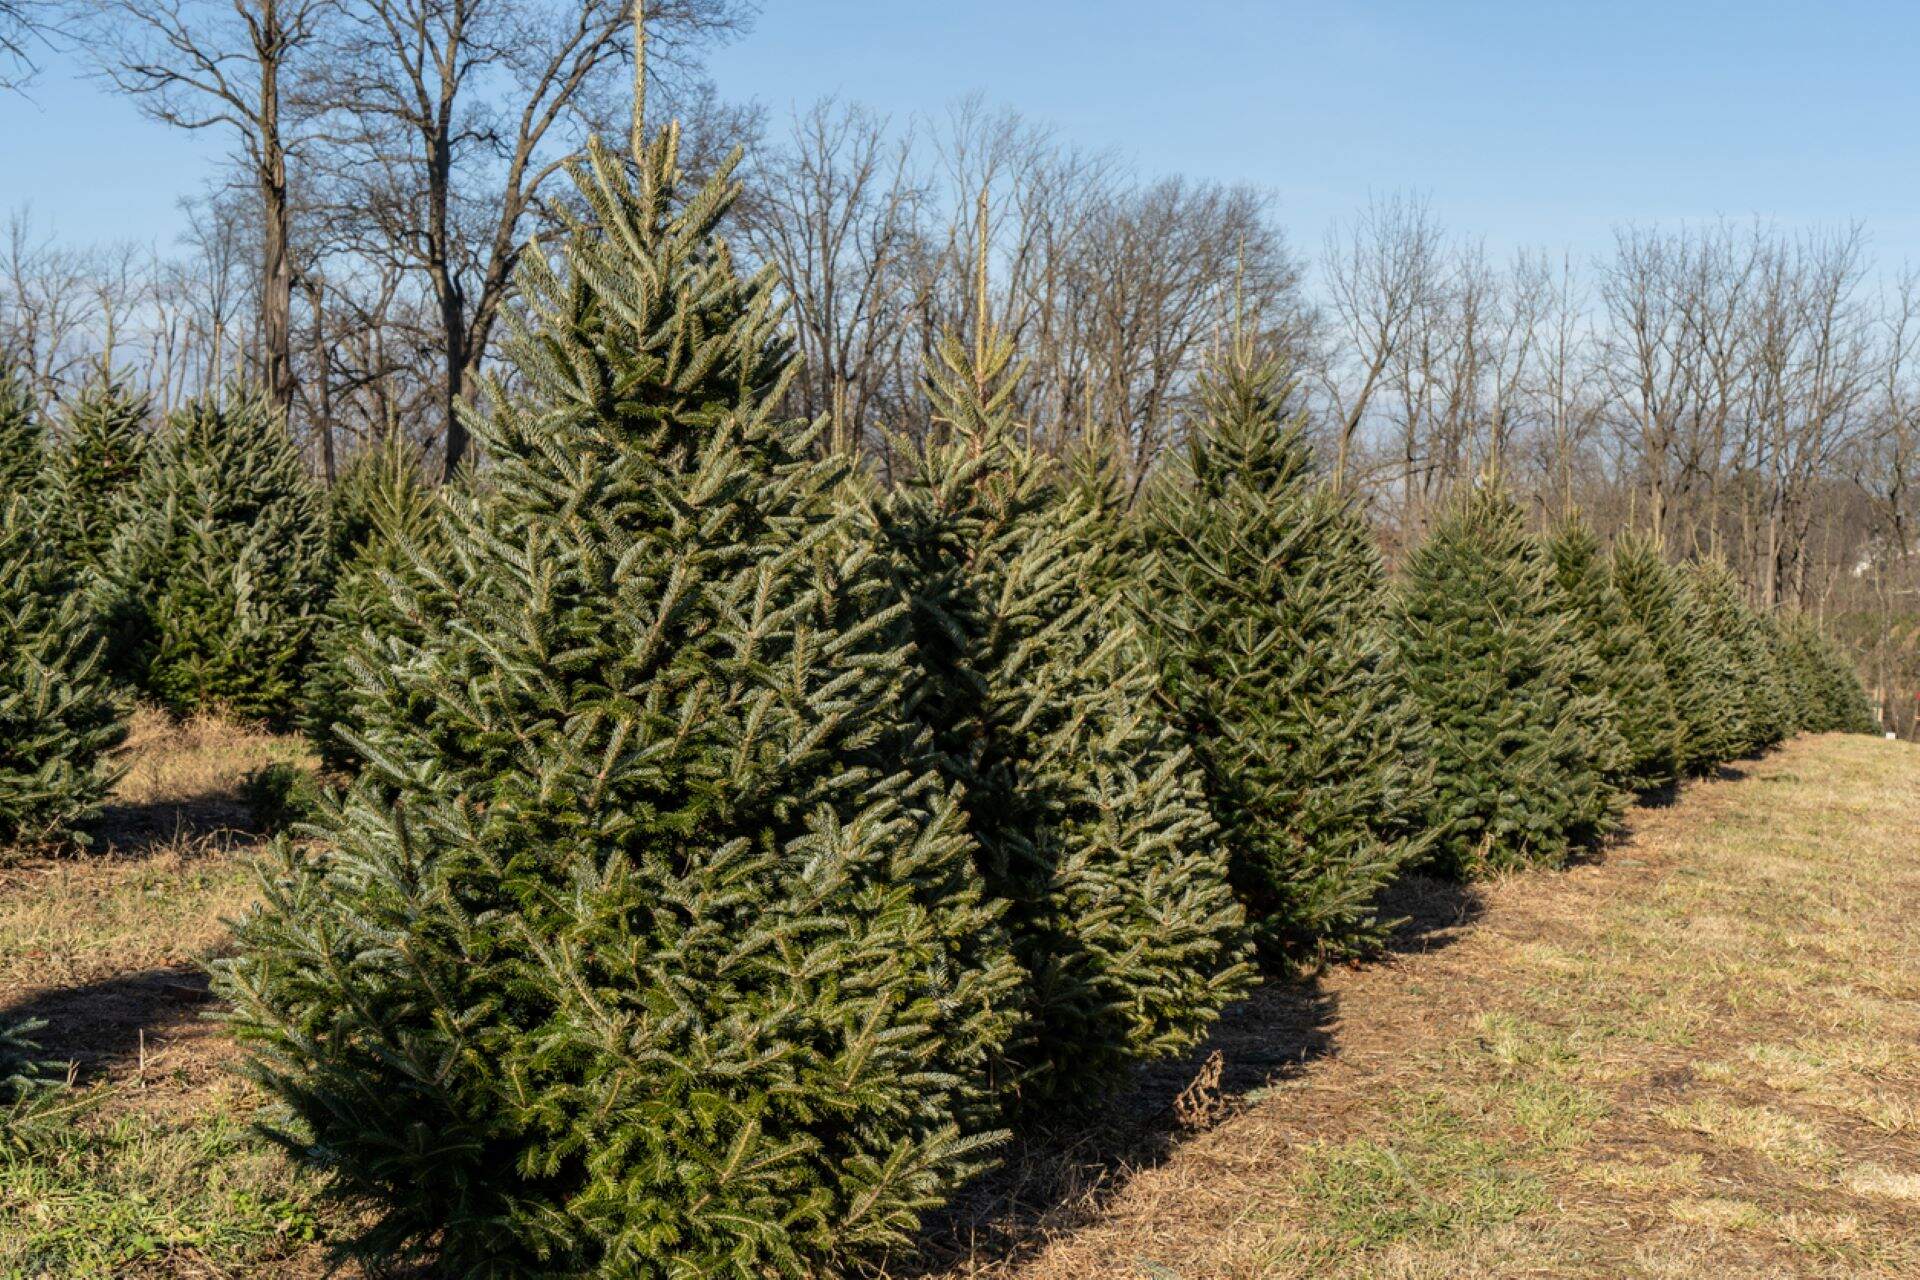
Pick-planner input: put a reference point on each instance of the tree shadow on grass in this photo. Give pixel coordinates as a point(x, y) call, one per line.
point(222, 816)
point(1060, 1176)
point(103, 1025)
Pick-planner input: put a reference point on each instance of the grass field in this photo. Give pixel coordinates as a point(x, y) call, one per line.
point(1697, 1055)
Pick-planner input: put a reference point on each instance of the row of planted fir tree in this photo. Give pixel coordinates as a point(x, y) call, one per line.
point(729, 851)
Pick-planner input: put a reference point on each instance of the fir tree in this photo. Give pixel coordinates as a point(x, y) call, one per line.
point(30, 1092)
point(1095, 478)
point(58, 715)
point(1089, 818)
point(648, 943)
point(103, 439)
point(1696, 662)
point(1761, 714)
point(1826, 689)
point(215, 586)
point(22, 452)
point(1265, 608)
point(1522, 757)
point(384, 522)
point(1629, 670)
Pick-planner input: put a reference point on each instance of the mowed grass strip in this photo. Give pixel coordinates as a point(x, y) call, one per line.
point(1697, 1055)
point(160, 1171)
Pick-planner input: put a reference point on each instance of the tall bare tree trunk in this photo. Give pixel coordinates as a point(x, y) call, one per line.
point(276, 267)
point(322, 384)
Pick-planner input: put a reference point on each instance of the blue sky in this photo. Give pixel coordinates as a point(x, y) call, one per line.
point(1528, 124)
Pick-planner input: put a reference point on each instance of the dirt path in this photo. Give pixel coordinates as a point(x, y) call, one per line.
point(1697, 1056)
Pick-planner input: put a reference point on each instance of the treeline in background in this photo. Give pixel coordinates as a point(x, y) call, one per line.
point(1740, 391)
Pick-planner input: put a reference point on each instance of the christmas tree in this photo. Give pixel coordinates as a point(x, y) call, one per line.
point(1523, 759)
point(103, 439)
point(1265, 605)
point(1696, 662)
point(58, 715)
point(1825, 687)
point(215, 586)
point(1762, 714)
point(1629, 671)
point(22, 454)
point(1090, 822)
point(648, 942)
point(383, 520)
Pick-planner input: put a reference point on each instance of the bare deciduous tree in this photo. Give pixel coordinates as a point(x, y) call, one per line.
point(226, 64)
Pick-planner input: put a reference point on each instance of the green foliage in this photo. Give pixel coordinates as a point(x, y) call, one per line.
point(58, 714)
point(1696, 662)
point(22, 442)
point(103, 440)
point(1760, 712)
point(1823, 684)
point(215, 587)
point(383, 522)
point(1089, 818)
point(1523, 758)
point(648, 943)
point(282, 795)
point(1627, 666)
point(34, 1104)
point(1265, 608)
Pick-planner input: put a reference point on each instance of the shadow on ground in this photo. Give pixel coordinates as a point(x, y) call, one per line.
point(106, 1024)
point(221, 816)
point(1057, 1180)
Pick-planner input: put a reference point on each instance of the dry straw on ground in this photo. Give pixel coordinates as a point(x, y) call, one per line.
point(1695, 1056)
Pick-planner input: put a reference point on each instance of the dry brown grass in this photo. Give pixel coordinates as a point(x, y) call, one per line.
point(1698, 1056)
point(161, 1174)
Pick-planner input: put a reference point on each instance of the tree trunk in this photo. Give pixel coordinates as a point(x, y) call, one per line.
point(276, 275)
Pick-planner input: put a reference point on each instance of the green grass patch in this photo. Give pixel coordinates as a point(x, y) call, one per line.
point(1434, 1178)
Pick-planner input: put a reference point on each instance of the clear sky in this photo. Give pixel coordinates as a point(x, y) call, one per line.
point(1526, 122)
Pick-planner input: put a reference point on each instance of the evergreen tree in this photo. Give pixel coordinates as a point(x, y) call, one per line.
point(58, 715)
point(1265, 607)
point(1522, 757)
point(384, 521)
point(22, 453)
point(215, 586)
point(1629, 671)
point(30, 1101)
point(1696, 662)
point(103, 440)
point(1825, 686)
point(1761, 714)
point(648, 942)
point(1089, 818)
point(1095, 478)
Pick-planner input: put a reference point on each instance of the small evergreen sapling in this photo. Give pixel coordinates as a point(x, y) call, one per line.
point(1523, 759)
point(1265, 606)
point(33, 1102)
point(59, 716)
point(1628, 669)
point(1035, 685)
point(215, 586)
point(647, 944)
